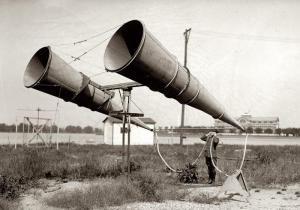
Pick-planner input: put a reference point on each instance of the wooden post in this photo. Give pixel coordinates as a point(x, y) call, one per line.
point(16, 137)
point(123, 132)
point(69, 143)
point(57, 133)
point(23, 132)
point(128, 133)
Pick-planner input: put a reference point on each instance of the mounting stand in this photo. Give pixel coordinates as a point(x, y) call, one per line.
point(126, 118)
point(232, 186)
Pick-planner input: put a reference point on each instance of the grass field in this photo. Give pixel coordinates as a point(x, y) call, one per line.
point(20, 169)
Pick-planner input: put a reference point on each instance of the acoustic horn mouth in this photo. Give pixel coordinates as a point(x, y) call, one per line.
point(124, 46)
point(37, 67)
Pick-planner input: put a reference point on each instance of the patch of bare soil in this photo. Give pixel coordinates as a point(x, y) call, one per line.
point(198, 197)
point(204, 198)
point(34, 199)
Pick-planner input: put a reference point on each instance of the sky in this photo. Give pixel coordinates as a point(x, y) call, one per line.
point(246, 53)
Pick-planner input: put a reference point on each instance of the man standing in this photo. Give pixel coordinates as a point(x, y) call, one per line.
point(211, 136)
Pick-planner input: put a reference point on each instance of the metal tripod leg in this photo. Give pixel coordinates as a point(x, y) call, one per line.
point(244, 181)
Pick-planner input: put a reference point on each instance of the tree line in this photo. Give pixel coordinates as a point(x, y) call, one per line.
point(47, 129)
point(189, 129)
point(278, 131)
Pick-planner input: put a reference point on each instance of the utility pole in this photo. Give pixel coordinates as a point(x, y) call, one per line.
point(186, 40)
point(38, 122)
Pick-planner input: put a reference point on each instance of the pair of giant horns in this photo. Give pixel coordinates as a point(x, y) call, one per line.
point(136, 54)
point(48, 73)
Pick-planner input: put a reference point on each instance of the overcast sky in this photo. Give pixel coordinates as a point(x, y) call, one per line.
point(247, 53)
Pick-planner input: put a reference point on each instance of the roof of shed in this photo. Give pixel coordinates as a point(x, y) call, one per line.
point(146, 120)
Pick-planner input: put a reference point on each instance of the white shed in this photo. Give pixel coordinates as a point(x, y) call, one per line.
point(138, 136)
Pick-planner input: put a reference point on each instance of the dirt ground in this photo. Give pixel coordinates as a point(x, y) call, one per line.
point(279, 197)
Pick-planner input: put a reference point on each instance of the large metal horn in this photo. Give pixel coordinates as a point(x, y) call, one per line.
point(48, 73)
point(136, 54)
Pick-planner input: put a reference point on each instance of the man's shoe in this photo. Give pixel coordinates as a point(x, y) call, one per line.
point(210, 182)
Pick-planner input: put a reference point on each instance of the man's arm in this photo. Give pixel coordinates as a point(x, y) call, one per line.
point(204, 137)
point(216, 140)
point(208, 135)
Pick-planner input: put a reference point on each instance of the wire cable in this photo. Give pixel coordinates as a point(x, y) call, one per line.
point(81, 60)
point(161, 157)
point(196, 160)
point(88, 38)
point(243, 158)
point(137, 106)
point(165, 162)
point(89, 50)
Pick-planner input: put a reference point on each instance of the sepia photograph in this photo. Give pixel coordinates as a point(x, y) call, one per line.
point(142, 105)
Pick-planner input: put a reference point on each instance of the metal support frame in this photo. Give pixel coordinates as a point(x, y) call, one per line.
point(126, 118)
point(37, 129)
point(241, 175)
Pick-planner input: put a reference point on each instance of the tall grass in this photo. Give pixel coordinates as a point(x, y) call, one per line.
point(20, 168)
point(111, 192)
point(274, 166)
point(142, 186)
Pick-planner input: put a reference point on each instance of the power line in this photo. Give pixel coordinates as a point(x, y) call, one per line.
point(86, 52)
point(76, 59)
point(85, 61)
point(88, 38)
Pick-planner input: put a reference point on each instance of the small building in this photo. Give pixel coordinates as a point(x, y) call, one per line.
point(112, 128)
point(250, 122)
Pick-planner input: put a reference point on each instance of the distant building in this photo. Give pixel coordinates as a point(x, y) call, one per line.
point(138, 136)
point(248, 121)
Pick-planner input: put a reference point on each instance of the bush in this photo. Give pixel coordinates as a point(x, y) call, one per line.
point(189, 174)
point(266, 156)
point(258, 130)
point(6, 205)
point(268, 130)
point(9, 187)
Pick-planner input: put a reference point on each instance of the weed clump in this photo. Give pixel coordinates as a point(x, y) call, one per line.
point(9, 187)
point(265, 156)
point(189, 174)
point(20, 172)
